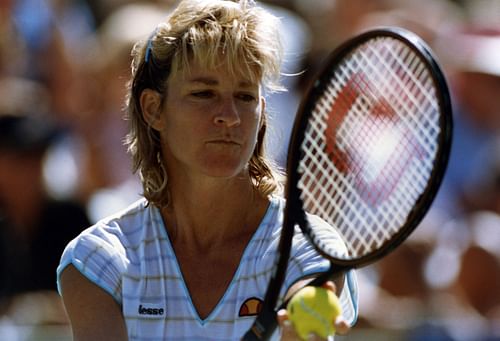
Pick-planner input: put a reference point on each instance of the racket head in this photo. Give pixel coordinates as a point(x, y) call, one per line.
point(370, 145)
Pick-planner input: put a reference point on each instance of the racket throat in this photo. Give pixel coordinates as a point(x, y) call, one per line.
point(263, 327)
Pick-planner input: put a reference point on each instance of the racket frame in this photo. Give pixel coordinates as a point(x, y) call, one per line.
point(322, 79)
point(294, 215)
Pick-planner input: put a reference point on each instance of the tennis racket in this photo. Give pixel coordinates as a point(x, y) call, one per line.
point(369, 149)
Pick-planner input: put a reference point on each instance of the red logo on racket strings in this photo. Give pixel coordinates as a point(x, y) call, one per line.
point(365, 139)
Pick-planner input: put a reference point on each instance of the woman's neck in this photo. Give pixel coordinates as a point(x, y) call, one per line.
point(205, 214)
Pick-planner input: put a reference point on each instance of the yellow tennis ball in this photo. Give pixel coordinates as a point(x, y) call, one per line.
point(314, 310)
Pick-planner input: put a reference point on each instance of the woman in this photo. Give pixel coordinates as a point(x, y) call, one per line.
point(192, 260)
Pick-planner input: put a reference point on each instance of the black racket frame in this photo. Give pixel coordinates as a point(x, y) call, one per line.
point(265, 322)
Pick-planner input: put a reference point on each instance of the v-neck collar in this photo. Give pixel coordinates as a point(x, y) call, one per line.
point(273, 203)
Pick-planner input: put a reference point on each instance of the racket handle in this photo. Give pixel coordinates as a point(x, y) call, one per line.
point(263, 327)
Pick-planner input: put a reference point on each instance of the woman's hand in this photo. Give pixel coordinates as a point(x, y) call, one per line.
point(288, 332)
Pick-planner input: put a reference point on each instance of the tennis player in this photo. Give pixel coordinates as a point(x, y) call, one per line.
point(193, 258)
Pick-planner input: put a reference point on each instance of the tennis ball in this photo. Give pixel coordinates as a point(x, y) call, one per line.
point(314, 310)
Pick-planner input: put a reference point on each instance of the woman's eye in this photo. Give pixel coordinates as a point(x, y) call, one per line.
point(247, 97)
point(202, 94)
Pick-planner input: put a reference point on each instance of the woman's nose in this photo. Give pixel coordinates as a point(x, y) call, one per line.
point(227, 113)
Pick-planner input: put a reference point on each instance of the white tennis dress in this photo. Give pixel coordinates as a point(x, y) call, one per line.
point(130, 256)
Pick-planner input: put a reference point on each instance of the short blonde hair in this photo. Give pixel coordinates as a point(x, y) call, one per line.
point(246, 36)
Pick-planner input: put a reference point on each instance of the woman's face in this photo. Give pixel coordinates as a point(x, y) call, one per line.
point(209, 122)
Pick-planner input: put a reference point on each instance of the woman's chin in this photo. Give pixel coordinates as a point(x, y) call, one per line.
point(224, 169)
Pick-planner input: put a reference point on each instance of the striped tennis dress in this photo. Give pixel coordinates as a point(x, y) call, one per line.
point(130, 256)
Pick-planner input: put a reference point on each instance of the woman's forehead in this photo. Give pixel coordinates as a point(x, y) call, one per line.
point(206, 72)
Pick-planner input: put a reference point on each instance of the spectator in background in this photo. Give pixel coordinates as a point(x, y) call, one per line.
point(34, 228)
point(472, 54)
point(462, 268)
point(38, 40)
point(106, 182)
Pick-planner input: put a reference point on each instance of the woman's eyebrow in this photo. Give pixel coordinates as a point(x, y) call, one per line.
point(212, 81)
point(204, 80)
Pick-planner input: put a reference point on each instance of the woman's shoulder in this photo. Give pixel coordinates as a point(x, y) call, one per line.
point(277, 203)
point(129, 215)
point(111, 242)
point(120, 230)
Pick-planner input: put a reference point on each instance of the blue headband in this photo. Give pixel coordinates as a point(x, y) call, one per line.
point(149, 47)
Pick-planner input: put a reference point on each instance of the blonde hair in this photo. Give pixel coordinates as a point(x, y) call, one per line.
point(244, 35)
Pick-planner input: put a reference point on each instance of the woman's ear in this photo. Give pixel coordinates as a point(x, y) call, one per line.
point(262, 111)
point(151, 108)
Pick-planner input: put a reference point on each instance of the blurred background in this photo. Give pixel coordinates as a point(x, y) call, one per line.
point(63, 69)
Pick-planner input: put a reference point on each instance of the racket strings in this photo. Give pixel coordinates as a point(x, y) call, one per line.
point(414, 78)
point(368, 147)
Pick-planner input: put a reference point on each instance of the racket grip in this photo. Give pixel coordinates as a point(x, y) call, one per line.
point(263, 327)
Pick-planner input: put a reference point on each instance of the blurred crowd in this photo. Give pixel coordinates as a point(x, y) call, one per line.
point(64, 65)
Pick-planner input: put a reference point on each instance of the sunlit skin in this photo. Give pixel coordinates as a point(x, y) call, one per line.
point(209, 122)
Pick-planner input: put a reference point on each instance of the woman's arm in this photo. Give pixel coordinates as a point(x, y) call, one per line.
point(93, 313)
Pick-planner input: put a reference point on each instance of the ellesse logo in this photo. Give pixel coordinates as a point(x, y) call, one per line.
point(251, 307)
point(150, 310)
